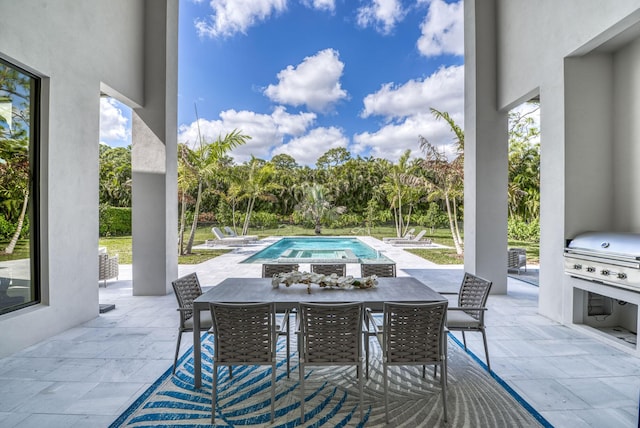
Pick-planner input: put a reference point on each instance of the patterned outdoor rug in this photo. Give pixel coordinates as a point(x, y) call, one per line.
point(475, 398)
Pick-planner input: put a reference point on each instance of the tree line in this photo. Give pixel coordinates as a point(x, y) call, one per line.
point(341, 190)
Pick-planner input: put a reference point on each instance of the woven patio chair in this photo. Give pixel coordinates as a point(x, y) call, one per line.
point(414, 334)
point(378, 269)
point(108, 267)
point(270, 269)
point(330, 335)
point(243, 334)
point(516, 259)
point(469, 314)
point(339, 269)
point(187, 289)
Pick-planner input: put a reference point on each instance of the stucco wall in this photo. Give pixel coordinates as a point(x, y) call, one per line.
point(75, 46)
point(626, 131)
point(588, 98)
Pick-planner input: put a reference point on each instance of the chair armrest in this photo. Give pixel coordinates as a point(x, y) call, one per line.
point(468, 308)
point(448, 293)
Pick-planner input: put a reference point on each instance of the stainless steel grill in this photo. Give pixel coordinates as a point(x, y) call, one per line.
point(607, 258)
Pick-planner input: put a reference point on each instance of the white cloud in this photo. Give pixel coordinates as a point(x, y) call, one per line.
point(113, 123)
point(392, 140)
point(236, 16)
point(266, 131)
point(442, 29)
point(315, 82)
point(382, 15)
point(307, 149)
point(406, 109)
point(443, 90)
point(328, 5)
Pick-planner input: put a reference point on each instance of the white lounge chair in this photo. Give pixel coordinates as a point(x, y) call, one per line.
point(232, 234)
point(221, 239)
point(417, 240)
point(406, 236)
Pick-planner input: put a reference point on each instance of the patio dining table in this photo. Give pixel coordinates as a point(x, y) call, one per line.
point(244, 290)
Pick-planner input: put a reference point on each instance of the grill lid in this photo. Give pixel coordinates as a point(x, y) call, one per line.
point(606, 244)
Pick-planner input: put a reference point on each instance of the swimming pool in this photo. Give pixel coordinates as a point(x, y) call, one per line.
point(317, 250)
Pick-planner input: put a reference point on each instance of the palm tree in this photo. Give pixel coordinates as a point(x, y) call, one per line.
point(397, 187)
point(257, 183)
point(446, 177)
point(14, 184)
point(205, 164)
point(315, 206)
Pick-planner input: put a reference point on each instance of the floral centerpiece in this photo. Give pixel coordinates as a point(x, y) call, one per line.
point(331, 281)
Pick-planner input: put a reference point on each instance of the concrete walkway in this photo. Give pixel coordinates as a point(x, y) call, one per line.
point(88, 375)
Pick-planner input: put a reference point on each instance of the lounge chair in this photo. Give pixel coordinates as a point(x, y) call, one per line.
point(417, 240)
point(232, 234)
point(222, 239)
point(406, 236)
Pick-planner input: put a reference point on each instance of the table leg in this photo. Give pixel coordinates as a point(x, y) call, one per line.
point(197, 358)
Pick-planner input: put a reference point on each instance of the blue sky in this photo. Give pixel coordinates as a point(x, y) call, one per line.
point(304, 76)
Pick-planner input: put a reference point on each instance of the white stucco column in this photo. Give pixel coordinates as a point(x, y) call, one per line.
point(154, 157)
point(485, 151)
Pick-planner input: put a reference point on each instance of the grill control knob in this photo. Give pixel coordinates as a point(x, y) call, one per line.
point(591, 269)
point(577, 267)
point(604, 272)
point(622, 275)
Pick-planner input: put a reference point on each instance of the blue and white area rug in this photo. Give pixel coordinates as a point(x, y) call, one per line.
point(475, 398)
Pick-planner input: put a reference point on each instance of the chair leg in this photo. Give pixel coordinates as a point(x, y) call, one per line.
point(443, 377)
point(273, 390)
point(443, 385)
point(214, 395)
point(301, 366)
point(386, 392)
point(464, 340)
point(288, 346)
point(360, 384)
point(175, 358)
point(486, 349)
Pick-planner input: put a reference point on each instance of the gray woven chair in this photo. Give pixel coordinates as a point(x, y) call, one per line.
point(414, 334)
point(330, 335)
point(516, 259)
point(108, 267)
point(187, 289)
point(243, 334)
point(378, 269)
point(469, 314)
point(270, 269)
point(339, 269)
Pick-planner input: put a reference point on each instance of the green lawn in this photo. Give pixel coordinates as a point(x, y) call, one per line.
point(121, 245)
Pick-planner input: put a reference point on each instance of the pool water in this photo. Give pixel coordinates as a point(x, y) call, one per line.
point(317, 250)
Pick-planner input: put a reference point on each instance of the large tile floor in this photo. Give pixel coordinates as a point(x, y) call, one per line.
point(88, 375)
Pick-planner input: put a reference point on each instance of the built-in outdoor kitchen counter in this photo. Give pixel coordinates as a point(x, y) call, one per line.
point(604, 271)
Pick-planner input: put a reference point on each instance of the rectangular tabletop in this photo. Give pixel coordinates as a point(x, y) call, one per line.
point(243, 290)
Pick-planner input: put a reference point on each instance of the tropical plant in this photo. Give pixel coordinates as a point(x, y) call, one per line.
point(446, 177)
point(316, 206)
point(255, 182)
point(203, 164)
point(400, 193)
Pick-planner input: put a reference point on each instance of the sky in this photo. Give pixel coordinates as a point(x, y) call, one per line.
point(304, 76)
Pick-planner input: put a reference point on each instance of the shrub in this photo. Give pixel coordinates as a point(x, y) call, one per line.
point(520, 230)
point(6, 229)
point(115, 221)
point(264, 219)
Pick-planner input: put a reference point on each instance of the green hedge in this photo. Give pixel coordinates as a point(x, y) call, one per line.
point(115, 221)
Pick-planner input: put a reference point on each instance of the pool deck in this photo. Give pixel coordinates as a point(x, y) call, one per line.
point(89, 374)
